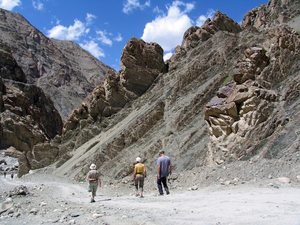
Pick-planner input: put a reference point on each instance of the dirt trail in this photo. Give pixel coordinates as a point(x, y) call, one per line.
point(60, 200)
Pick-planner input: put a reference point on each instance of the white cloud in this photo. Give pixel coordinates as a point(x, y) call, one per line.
point(118, 38)
point(89, 18)
point(129, 5)
point(103, 38)
point(201, 20)
point(9, 4)
point(73, 32)
point(93, 48)
point(167, 56)
point(157, 10)
point(38, 5)
point(167, 30)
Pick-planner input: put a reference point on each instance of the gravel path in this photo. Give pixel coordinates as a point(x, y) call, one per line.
point(55, 199)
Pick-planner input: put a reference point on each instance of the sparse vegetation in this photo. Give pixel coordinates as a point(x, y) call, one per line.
point(169, 132)
point(229, 78)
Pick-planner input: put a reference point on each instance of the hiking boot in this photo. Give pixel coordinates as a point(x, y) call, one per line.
point(167, 192)
point(92, 200)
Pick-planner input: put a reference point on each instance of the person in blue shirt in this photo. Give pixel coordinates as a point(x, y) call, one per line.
point(163, 165)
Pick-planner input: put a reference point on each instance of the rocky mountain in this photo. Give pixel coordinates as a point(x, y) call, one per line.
point(62, 69)
point(229, 94)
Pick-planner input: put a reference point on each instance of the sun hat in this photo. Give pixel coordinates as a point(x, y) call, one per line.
point(138, 159)
point(93, 166)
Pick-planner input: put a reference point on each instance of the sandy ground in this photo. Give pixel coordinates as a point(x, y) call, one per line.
point(53, 199)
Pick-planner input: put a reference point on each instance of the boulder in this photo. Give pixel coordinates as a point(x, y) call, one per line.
point(42, 155)
point(141, 63)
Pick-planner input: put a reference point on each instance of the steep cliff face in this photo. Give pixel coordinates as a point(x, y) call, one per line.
point(65, 71)
point(27, 115)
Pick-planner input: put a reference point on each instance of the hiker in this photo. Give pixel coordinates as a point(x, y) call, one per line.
point(138, 177)
point(163, 165)
point(93, 178)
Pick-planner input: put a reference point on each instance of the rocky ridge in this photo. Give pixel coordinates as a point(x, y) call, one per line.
point(62, 69)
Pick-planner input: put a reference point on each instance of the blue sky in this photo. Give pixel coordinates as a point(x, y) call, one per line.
point(103, 27)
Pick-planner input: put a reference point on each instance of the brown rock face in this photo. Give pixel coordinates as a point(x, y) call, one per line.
point(28, 116)
point(274, 13)
point(249, 110)
point(140, 64)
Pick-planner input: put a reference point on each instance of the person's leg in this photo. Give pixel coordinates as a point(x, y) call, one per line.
point(136, 184)
point(141, 184)
point(164, 181)
point(94, 187)
point(159, 186)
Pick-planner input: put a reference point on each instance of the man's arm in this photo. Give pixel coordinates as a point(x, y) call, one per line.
point(145, 172)
point(158, 171)
point(99, 181)
point(134, 173)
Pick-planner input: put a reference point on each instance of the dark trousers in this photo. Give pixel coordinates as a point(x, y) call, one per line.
point(164, 181)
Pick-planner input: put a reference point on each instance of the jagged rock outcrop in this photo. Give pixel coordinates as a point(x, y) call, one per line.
point(65, 71)
point(249, 110)
point(220, 22)
point(274, 13)
point(141, 62)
